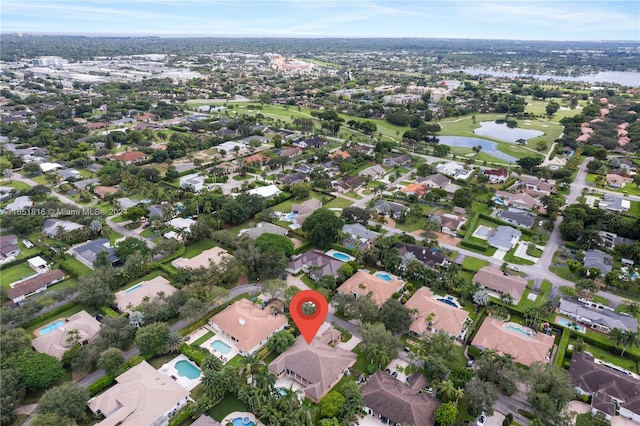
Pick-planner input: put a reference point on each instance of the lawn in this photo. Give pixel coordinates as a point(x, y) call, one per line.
point(114, 236)
point(195, 249)
point(285, 206)
point(226, 406)
point(15, 273)
point(208, 335)
point(411, 226)
point(64, 314)
point(75, 266)
point(337, 203)
point(605, 355)
point(473, 264)
point(21, 186)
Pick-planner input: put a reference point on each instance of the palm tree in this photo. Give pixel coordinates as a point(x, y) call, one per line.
point(447, 390)
point(174, 342)
point(458, 394)
point(250, 365)
point(630, 338)
point(617, 337)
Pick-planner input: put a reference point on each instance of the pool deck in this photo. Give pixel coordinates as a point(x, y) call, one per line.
point(488, 232)
point(37, 332)
point(169, 369)
point(332, 251)
point(229, 418)
point(223, 357)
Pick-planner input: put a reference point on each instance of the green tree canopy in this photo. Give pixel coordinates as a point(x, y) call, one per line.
point(67, 400)
point(323, 227)
point(274, 242)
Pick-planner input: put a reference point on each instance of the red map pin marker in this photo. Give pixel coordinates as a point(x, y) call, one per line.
point(308, 324)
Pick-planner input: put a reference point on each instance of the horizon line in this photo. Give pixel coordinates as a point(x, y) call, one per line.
point(307, 36)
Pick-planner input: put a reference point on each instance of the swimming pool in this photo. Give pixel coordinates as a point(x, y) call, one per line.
point(499, 201)
point(188, 370)
point(221, 347)
point(51, 327)
point(519, 329)
point(566, 323)
point(341, 257)
point(290, 216)
point(242, 421)
point(383, 276)
point(449, 300)
point(132, 289)
point(482, 231)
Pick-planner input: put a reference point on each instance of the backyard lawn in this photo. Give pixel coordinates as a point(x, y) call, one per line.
point(473, 264)
point(226, 406)
point(192, 250)
point(15, 273)
point(338, 203)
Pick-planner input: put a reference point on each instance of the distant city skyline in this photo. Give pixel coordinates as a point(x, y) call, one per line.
point(514, 20)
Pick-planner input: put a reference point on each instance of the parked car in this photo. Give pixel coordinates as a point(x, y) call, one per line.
point(27, 243)
point(481, 419)
point(470, 363)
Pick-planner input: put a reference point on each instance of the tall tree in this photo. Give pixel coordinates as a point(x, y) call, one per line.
point(323, 227)
point(67, 400)
point(550, 391)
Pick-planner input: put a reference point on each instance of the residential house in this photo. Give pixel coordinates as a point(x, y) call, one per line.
point(141, 396)
point(315, 263)
point(389, 208)
point(85, 183)
point(214, 255)
point(247, 325)
point(9, 246)
point(347, 185)
point(363, 149)
point(57, 341)
point(23, 289)
point(205, 420)
point(52, 227)
point(518, 200)
point(614, 203)
point(20, 203)
point(504, 238)
point(231, 147)
point(434, 181)
point(290, 152)
point(194, 182)
point(293, 178)
point(314, 142)
point(87, 252)
point(268, 191)
point(181, 224)
point(598, 259)
point(70, 174)
point(362, 284)
point(496, 175)
point(357, 233)
point(423, 254)
point(449, 223)
point(617, 181)
point(537, 187)
point(518, 218)
point(127, 300)
point(397, 403)
point(599, 317)
point(304, 210)
point(258, 159)
point(49, 167)
point(493, 279)
point(373, 172)
point(525, 347)
point(264, 228)
point(612, 391)
point(610, 240)
point(129, 157)
point(627, 165)
point(317, 366)
point(432, 314)
point(398, 160)
point(455, 170)
point(416, 189)
point(103, 191)
point(38, 264)
point(341, 154)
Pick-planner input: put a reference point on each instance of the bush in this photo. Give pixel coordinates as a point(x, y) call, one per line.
point(473, 352)
point(181, 415)
point(562, 346)
point(109, 312)
point(194, 353)
point(50, 314)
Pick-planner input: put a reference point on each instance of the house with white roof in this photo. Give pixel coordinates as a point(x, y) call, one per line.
point(47, 167)
point(455, 170)
point(265, 191)
point(19, 203)
point(194, 181)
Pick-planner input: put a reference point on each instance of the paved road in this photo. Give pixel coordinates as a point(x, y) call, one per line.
point(30, 182)
point(127, 232)
point(234, 292)
point(507, 404)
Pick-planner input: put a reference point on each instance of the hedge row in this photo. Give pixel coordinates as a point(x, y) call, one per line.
point(14, 263)
point(194, 353)
point(284, 196)
point(174, 256)
point(304, 247)
point(342, 248)
point(205, 318)
point(562, 346)
point(473, 246)
point(470, 226)
point(181, 416)
point(50, 314)
point(70, 268)
point(109, 312)
point(606, 344)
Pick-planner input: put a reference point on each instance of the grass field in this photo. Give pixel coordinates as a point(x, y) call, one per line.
point(15, 273)
point(15, 184)
point(226, 406)
point(338, 203)
point(285, 206)
point(473, 264)
point(193, 250)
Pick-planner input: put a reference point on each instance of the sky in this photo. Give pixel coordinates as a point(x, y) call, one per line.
point(475, 19)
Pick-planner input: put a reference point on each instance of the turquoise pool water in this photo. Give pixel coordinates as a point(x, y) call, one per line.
point(290, 217)
point(188, 370)
point(449, 300)
point(341, 256)
point(51, 327)
point(519, 329)
point(566, 323)
point(242, 421)
point(221, 347)
point(499, 201)
point(132, 289)
point(385, 277)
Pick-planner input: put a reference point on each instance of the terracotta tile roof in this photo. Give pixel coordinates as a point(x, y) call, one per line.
point(363, 283)
point(129, 156)
point(35, 283)
point(524, 349)
point(492, 278)
point(446, 317)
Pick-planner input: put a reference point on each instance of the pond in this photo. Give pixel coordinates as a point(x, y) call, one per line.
point(488, 147)
point(501, 131)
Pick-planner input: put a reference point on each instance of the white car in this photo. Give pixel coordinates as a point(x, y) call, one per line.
point(515, 268)
point(27, 243)
point(481, 419)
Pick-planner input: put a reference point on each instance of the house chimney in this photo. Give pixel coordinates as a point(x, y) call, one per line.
point(241, 321)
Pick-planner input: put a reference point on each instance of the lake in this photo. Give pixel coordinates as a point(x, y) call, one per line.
point(502, 132)
point(488, 147)
point(617, 77)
